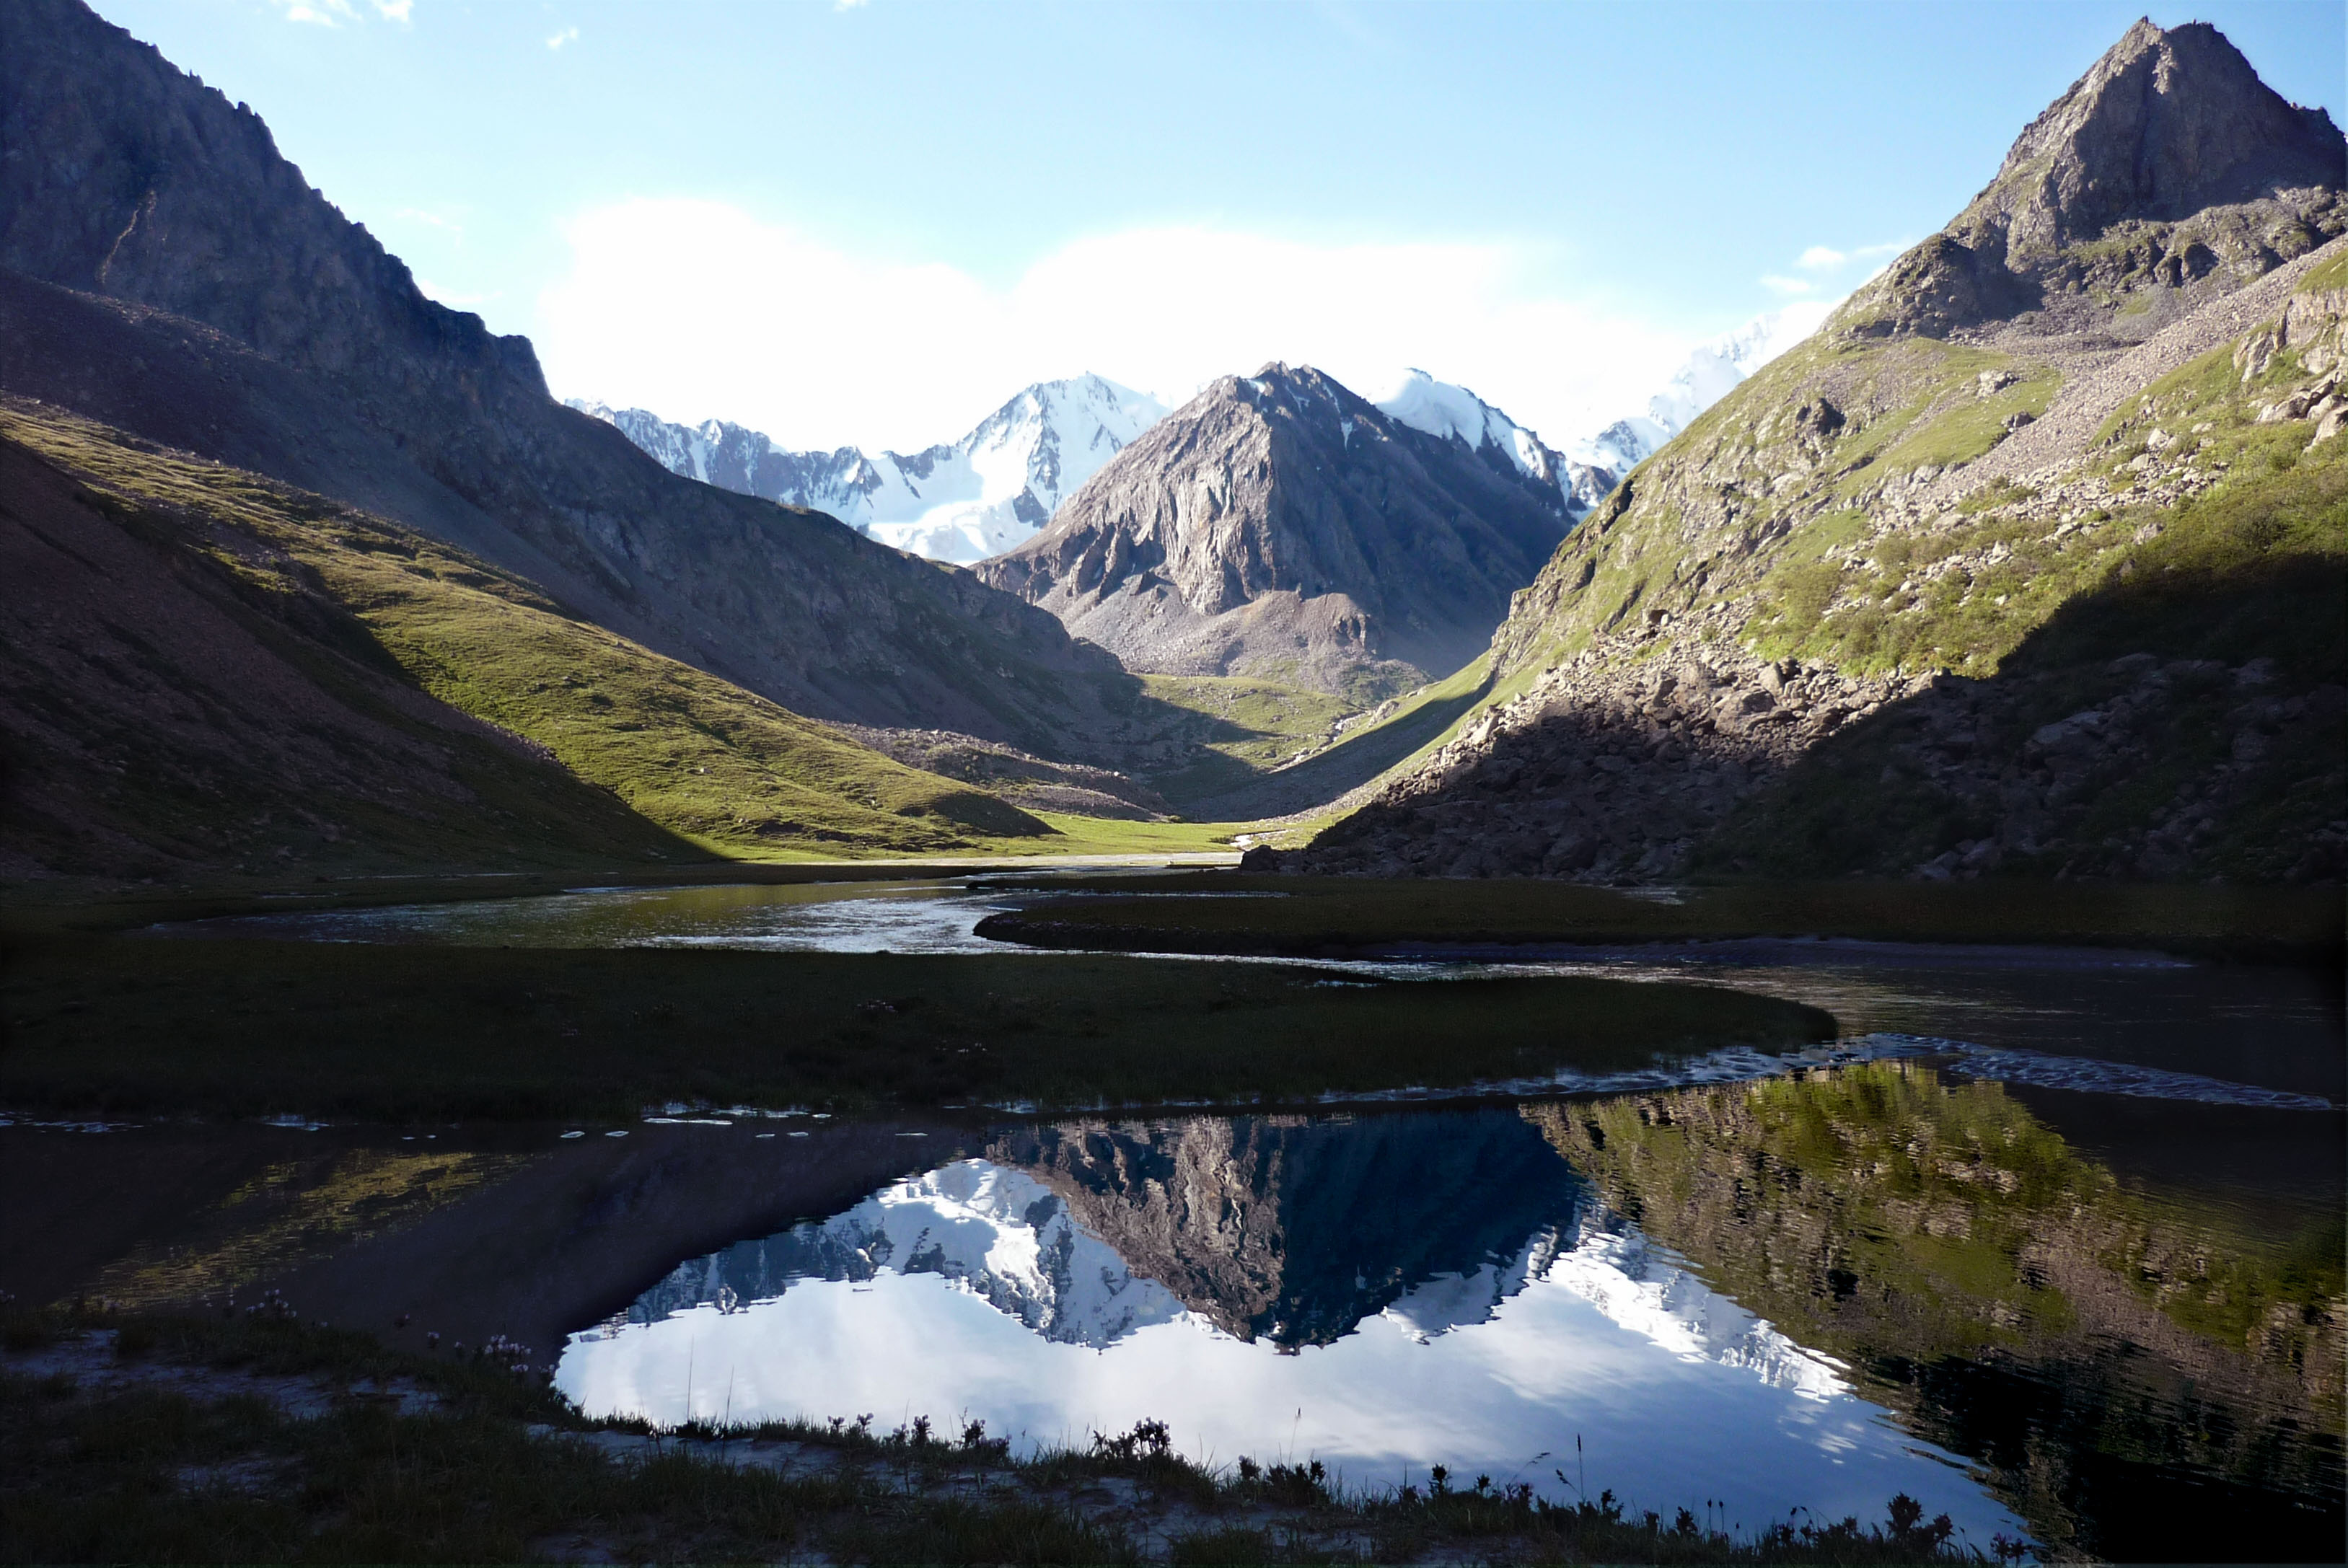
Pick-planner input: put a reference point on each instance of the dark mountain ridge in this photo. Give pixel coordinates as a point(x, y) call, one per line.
point(168, 228)
point(1280, 525)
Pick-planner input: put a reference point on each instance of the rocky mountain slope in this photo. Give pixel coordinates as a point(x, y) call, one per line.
point(964, 502)
point(163, 269)
point(1295, 1231)
point(2031, 558)
point(1278, 525)
point(208, 672)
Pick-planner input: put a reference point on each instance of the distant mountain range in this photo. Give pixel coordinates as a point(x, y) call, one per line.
point(996, 488)
point(974, 498)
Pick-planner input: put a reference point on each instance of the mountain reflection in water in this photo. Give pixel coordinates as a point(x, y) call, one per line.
point(1815, 1290)
point(1382, 1293)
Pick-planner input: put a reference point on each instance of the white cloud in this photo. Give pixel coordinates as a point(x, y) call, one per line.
point(1785, 285)
point(567, 35)
point(452, 298)
point(696, 309)
point(335, 13)
point(449, 226)
point(847, 5)
point(319, 13)
point(1821, 258)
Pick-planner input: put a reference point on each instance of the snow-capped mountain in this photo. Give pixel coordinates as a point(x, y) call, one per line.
point(997, 1233)
point(1443, 409)
point(978, 497)
point(1652, 1292)
point(1705, 378)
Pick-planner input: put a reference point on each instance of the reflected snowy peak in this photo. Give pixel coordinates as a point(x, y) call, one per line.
point(1652, 1293)
point(996, 1232)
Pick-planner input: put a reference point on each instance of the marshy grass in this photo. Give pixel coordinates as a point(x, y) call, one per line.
point(117, 1026)
point(1345, 916)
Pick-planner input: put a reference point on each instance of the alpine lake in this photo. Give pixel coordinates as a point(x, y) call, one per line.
point(2047, 1238)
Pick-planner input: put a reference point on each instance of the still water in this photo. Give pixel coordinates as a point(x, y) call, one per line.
point(2062, 1260)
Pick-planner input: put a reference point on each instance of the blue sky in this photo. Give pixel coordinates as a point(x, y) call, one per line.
point(873, 223)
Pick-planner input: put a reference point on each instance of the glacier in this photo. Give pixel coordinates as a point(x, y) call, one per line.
point(960, 502)
point(1707, 375)
point(1451, 412)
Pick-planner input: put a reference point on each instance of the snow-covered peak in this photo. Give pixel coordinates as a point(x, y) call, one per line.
point(1704, 378)
point(1451, 412)
point(1441, 408)
point(995, 1232)
point(977, 497)
point(1654, 1294)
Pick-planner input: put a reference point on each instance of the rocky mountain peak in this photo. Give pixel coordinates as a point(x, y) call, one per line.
point(1279, 523)
point(2165, 176)
point(2166, 124)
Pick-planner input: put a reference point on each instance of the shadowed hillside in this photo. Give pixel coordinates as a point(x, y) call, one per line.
point(215, 671)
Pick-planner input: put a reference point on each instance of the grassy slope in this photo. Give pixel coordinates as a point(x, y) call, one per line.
point(163, 715)
point(1903, 404)
point(1334, 914)
point(1745, 510)
point(231, 1028)
point(722, 769)
point(1827, 585)
point(1386, 740)
point(1838, 594)
point(1245, 727)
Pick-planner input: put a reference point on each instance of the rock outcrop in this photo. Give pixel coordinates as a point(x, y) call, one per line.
point(1295, 1229)
point(1278, 525)
point(2032, 469)
point(163, 269)
point(2168, 175)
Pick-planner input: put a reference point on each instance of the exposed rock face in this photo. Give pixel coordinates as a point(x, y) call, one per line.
point(2167, 162)
point(1295, 1229)
point(2165, 126)
point(1279, 525)
point(202, 293)
point(2042, 472)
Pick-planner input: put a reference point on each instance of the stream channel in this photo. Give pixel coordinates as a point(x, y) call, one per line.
point(2051, 1242)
